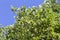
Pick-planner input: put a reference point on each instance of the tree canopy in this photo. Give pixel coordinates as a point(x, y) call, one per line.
point(36, 23)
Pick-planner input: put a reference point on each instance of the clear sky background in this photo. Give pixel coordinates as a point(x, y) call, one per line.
point(6, 15)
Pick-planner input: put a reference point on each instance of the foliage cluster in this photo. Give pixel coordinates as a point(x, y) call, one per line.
point(36, 23)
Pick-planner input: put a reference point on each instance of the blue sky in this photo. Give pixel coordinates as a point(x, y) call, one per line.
point(6, 15)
